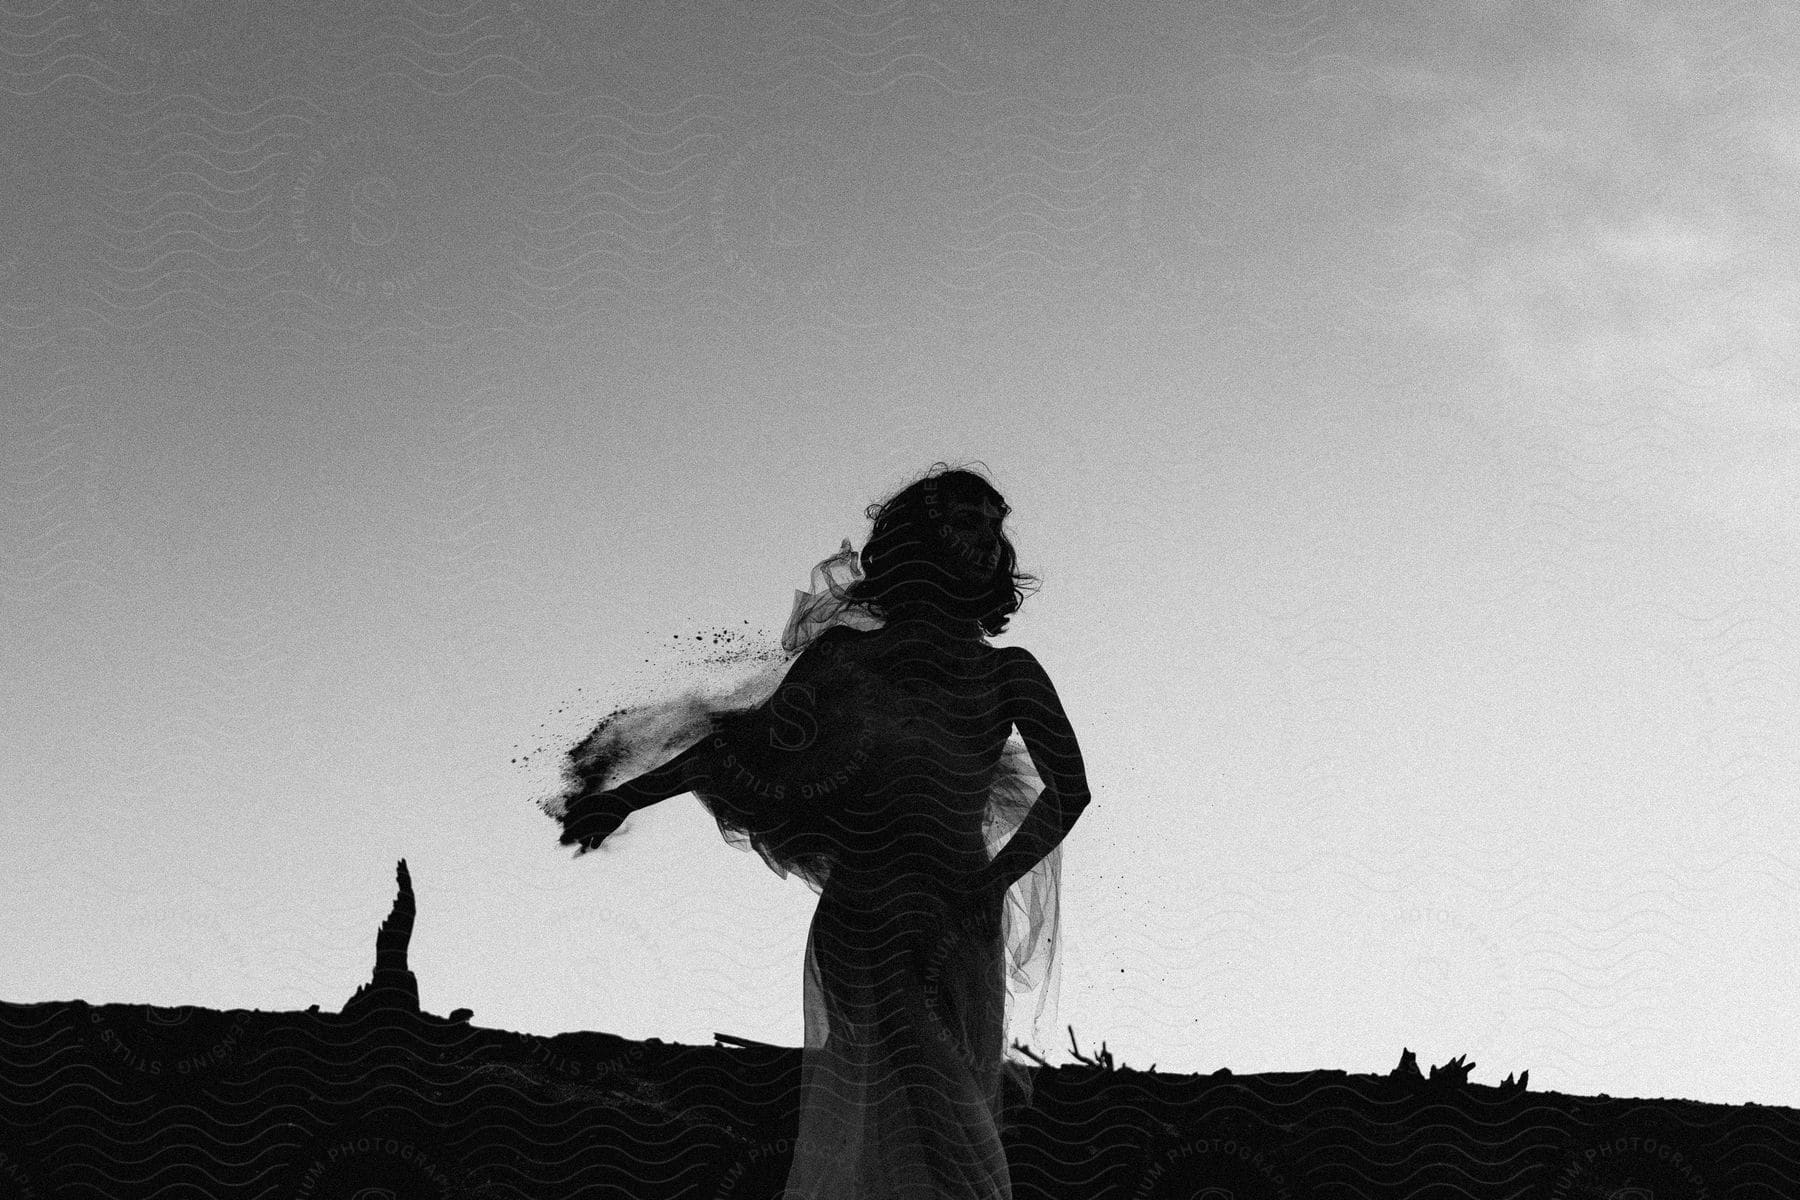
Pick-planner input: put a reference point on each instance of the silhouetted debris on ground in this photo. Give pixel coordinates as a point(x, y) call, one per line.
point(124, 1100)
point(1454, 1073)
point(115, 1100)
point(1408, 1070)
point(392, 986)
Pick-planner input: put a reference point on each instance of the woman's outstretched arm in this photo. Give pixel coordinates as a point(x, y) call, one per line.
point(1037, 713)
point(679, 775)
point(595, 816)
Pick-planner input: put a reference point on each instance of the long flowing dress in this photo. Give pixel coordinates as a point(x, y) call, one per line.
point(869, 782)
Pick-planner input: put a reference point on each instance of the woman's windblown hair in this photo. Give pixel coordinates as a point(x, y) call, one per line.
point(913, 560)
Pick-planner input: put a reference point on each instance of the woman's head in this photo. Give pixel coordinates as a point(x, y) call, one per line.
point(938, 549)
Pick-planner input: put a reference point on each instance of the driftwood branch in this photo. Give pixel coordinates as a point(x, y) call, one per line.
point(1102, 1059)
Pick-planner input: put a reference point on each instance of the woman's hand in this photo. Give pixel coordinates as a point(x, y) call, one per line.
point(593, 818)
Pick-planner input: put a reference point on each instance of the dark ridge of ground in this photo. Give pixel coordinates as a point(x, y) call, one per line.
point(122, 1101)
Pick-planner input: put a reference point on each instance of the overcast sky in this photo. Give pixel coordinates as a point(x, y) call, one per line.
point(1396, 400)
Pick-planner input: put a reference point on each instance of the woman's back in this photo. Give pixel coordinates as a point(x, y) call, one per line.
point(925, 793)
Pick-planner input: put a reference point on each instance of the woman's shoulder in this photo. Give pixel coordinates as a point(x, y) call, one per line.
point(1020, 675)
point(1013, 659)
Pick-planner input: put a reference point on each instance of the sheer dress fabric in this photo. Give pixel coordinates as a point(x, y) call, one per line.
point(911, 998)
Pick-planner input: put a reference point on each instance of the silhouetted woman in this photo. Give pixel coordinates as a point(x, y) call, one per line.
point(877, 765)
